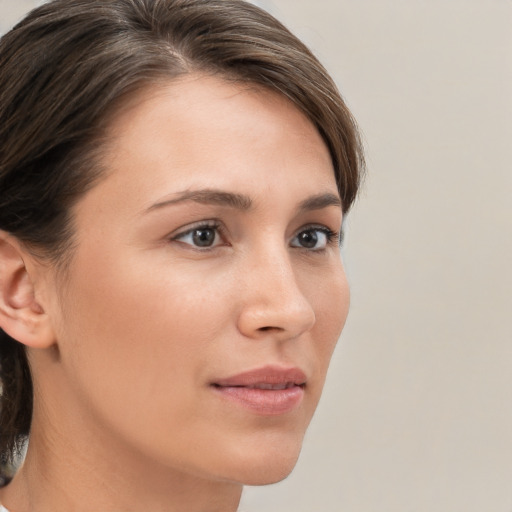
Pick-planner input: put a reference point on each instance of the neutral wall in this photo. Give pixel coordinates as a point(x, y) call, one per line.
point(417, 412)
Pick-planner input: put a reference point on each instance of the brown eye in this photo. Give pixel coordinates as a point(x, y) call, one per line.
point(314, 239)
point(201, 237)
point(308, 239)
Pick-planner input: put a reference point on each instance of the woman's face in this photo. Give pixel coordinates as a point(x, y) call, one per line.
point(206, 292)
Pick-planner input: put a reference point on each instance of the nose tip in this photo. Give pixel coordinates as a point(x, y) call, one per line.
point(276, 306)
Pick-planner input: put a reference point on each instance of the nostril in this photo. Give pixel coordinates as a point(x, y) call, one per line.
point(269, 328)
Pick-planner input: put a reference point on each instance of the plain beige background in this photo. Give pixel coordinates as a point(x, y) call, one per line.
point(417, 412)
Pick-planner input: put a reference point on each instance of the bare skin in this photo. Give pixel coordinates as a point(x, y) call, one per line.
point(209, 249)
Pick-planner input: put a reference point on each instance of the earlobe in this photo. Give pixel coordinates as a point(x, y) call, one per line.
point(21, 316)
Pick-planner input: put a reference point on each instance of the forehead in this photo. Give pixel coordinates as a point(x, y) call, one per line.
point(190, 100)
point(204, 131)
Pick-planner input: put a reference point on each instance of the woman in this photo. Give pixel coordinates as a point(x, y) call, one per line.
point(173, 177)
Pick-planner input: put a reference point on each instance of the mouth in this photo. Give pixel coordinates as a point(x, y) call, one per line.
point(267, 391)
point(269, 387)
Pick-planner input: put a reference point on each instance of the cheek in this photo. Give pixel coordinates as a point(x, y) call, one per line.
point(331, 304)
point(135, 347)
point(131, 322)
point(145, 311)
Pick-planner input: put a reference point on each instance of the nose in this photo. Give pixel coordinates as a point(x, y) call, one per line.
point(273, 303)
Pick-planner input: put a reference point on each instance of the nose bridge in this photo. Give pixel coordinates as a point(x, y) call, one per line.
point(274, 299)
point(280, 273)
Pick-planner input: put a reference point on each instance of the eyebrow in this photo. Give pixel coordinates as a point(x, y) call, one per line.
point(319, 202)
point(241, 201)
point(208, 196)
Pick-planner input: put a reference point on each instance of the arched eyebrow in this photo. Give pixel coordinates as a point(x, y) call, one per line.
point(207, 196)
point(241, 201)
point(320, 201)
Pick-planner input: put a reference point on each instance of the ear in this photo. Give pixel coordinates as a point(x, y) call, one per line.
point(21, 316)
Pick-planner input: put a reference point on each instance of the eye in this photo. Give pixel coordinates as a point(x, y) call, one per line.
point(203, 236)
point(313, 238)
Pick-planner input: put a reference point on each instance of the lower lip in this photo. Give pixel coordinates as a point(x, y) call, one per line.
point(270, 402)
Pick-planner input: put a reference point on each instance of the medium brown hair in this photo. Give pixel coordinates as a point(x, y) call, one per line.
point(66, 68)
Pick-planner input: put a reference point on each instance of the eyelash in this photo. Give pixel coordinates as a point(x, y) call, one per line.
point(331, 236)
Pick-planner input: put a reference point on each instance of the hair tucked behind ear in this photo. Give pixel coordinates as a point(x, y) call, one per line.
point(66, 69)
point(15, 399)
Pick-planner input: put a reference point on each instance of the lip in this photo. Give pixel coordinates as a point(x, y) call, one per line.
point(269, 391)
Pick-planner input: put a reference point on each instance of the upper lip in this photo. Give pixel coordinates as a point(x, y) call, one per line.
point(268, 376)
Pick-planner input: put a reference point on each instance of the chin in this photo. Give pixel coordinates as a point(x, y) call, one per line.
point(269, 475)
point(266, 462)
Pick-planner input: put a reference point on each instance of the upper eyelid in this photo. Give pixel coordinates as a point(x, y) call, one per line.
point(211, 223)
point(319, 227)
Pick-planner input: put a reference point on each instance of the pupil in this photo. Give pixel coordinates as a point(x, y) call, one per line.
point(308, 239)
point(203, 237)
